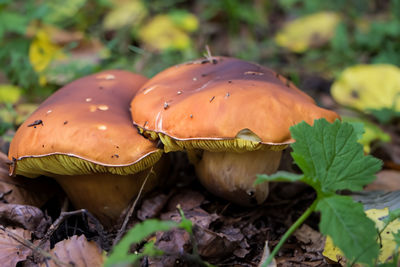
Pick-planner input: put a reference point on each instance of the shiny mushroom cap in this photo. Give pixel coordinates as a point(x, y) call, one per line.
point(83, 128)
point(221, 104)
point(231, 116)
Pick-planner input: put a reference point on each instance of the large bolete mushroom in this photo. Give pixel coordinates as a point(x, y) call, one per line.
point(83, 137)
point(236, 115)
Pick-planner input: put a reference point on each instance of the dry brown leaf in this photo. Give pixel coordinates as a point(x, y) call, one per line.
point(24, 191)
point(78, 252)
point(386, 180)
point(188, 199)
point(312, 240)
point(151, 207)
point(27, 217)
point(12, 251)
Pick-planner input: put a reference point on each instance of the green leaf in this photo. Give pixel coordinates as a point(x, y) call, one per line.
point(385, 115)
point(120, 253)
point(396, 238)
point(393, 215)
point(12, 22)
point(349, 227)
point(330, 155)
point(151, 250)
point(280, 176)
point(358, 128)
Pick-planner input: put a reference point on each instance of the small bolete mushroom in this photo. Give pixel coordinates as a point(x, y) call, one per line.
point(235, 114)
point(83, 137)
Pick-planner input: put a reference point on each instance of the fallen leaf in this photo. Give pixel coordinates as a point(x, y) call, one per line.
point(24, 191)
point(312, 240)
point(386, 240)
point(42, 52)
point(184, 20)
point(188, 199)
point(12, 251)
point(308, 31)
point(27, 217)
point(368, 87)
point(151, 207)
point(77, 251)
point(386, 180)
point(9, 93)
point(125, 13)
point(372, 132)
point(161, 34)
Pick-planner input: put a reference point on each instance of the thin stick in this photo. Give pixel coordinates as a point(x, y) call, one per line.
point(63, 216)
point(35, 249)
point(209, 56)
point(131, 209)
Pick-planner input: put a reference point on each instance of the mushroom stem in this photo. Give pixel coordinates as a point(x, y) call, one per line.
point(107, 195)
point(231, 175)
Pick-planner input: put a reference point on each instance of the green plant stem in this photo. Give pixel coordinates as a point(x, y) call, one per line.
point(289, 232)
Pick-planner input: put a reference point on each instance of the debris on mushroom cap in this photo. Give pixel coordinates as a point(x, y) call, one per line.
point(77, 129)
point(233, 96)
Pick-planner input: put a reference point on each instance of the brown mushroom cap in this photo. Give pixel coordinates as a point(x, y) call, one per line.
point(85, 127)
point(83, 137)
point(222, 104)
point(231, 116)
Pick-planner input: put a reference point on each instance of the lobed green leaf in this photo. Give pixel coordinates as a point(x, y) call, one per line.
point(349, 227)
point(330, 155)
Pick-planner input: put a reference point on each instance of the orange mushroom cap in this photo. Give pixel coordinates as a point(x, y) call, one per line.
point(85, 127)
point(213, 104)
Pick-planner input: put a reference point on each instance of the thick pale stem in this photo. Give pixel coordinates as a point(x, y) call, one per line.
point(107, 195)
point(231, 175)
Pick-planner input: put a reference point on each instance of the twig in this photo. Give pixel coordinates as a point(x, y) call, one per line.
point(63, 216)
point(131, 209)
point(35, 249)
point(209, 57)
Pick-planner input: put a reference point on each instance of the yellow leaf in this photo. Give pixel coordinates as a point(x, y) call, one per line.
point(42, 51)
point(161, 34)
point(125, 13)
point(368, 87)
point(372, 133)
point(184, 20)
point(9, 93)
point(309, 31)
point(387, 240)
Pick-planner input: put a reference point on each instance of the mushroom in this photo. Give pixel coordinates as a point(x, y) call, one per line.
point(83, 137)
point(231, 116)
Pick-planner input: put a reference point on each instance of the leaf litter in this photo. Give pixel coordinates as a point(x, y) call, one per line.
point(224, 233)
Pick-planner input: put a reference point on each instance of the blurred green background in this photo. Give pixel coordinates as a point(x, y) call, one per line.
point(45, 44)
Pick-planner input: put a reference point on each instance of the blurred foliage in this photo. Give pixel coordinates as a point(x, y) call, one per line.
point(373, 88)
point(371, 132)
point(46, 44)
point(309, 31)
